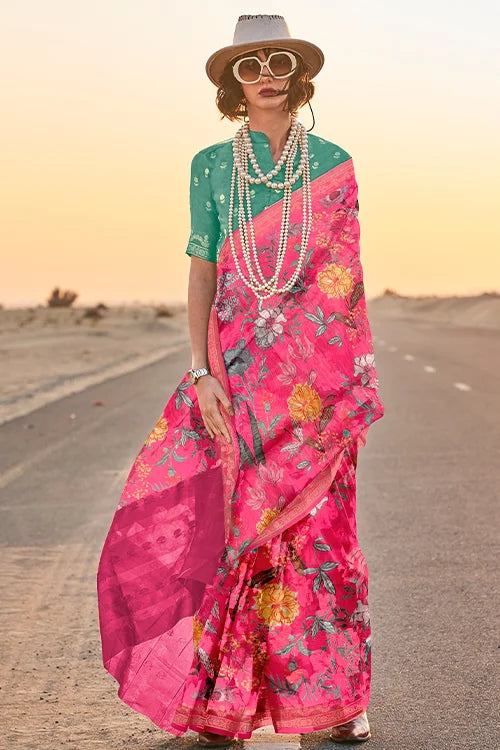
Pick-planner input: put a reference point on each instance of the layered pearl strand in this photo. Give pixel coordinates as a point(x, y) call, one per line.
point(242, 151)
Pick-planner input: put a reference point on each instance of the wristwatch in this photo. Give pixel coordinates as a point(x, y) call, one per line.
point(195, 375)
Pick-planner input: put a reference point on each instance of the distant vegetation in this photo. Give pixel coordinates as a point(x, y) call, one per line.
point(95, 313)
point(58, 298)
point(162, 311)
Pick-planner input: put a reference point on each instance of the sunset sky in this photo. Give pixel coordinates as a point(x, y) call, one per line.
point(104, 103)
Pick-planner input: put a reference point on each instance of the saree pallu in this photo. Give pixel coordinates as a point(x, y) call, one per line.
point(232, 591)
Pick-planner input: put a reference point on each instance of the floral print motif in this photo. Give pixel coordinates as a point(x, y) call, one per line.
point(277, 605)
point(158, 432)
point(335, 280)
point(268, 515)
point(364, 367)
point(268, 326)
point(197, 631)
point(304, 404)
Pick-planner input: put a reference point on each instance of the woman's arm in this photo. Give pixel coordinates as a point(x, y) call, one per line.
point(201, 291)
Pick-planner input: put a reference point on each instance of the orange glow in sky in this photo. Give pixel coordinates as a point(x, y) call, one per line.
point(106, 102)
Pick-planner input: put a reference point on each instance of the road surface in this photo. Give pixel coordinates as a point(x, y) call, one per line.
point(428, 482)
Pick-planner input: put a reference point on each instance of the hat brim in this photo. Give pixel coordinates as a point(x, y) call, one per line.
point(312, 55)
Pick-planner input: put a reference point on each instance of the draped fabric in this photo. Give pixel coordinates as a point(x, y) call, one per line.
point(232, 590)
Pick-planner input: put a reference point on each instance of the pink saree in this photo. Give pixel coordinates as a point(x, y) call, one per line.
point(232, 590)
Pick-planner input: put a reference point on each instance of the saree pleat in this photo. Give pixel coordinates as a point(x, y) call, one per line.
point(231, 587)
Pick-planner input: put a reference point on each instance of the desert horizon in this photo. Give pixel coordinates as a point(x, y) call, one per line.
point(55, 351)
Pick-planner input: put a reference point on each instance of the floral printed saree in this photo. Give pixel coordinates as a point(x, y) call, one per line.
point(232, 590)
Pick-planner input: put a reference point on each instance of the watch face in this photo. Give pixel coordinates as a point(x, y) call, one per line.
point(191, 377)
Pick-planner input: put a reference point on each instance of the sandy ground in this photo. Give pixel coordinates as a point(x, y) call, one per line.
point(48, 353)
point(480, 311)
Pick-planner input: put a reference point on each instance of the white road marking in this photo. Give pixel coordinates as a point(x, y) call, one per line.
point(393, 348)
point(429, 368)
point(265, 737)
point(409, 356)
point(462, 386)
point(271, 744)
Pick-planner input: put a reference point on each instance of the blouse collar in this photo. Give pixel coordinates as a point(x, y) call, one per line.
point(258, 136)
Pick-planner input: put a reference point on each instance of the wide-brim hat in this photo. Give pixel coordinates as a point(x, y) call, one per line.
point(256, 31)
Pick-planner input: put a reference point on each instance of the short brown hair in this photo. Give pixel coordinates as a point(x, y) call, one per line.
point(229, 98)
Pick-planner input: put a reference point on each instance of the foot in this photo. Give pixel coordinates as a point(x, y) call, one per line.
point(211, 739)
point(356, 730)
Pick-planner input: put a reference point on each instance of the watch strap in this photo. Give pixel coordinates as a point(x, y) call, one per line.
point(197, 372)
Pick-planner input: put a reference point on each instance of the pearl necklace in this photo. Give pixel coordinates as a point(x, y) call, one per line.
point(242, 151)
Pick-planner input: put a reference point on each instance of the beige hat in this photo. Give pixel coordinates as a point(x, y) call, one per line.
point(257, 31)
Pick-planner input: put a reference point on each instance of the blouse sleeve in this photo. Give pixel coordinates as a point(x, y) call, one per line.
point(205, 225)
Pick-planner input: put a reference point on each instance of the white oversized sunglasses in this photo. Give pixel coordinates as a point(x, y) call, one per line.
point(279, 64)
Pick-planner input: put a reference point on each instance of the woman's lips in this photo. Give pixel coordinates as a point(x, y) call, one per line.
point(267, 92)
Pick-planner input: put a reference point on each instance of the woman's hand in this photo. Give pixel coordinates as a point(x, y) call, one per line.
point(209, 392)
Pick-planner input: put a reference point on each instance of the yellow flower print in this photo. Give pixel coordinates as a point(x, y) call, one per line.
point(347, 237)
point(335, 280)
point(268, 515)
point(304, 404)
point(322, 239)
point(277, 605)
point(197, 631)
point(158, 432)
point(299, 539)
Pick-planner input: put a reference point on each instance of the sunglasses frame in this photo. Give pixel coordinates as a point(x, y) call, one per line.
point(291, 55)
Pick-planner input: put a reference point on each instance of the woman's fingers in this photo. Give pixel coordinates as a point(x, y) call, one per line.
point(208, 426)
point(221, 395)
point(217, 421)
point(209, 396)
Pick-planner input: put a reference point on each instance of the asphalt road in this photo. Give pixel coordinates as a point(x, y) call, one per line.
point(428, 489)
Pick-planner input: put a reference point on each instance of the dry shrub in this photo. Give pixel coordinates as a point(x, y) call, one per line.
point(58, 298)
point(162, 311)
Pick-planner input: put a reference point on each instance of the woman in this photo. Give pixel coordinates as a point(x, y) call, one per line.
point(232, 589)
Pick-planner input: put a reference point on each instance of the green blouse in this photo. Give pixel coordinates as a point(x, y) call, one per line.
point(210, 187)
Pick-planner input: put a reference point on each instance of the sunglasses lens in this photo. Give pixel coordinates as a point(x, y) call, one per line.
point(249, 69)
point(280, 65)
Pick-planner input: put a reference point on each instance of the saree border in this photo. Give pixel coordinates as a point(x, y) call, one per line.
point(229, 452)
point(319, 716)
